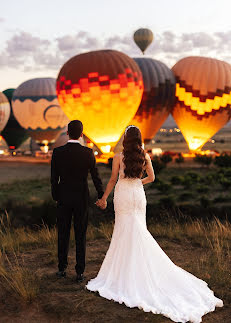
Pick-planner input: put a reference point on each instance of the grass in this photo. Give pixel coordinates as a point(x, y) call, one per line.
point(214, 237)
point(195, 191)
point(17, 278)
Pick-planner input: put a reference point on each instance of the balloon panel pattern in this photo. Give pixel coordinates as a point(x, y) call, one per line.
point(4, 111)
point(13, 133)
point(36, 108)
point(143, 37)
point(203, 93)
point(103, 89)
point(158, 96)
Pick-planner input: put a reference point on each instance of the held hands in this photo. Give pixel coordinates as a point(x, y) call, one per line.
point(102, 203)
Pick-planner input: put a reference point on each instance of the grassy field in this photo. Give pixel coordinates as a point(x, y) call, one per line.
point(30, 291)
point(199, 192)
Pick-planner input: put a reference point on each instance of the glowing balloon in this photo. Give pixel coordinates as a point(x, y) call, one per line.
point(143, 37)
point(4, 111)
point(158, 96)
point(203, 93)
point(36, 108)
point(13, 133)
point(103, 89)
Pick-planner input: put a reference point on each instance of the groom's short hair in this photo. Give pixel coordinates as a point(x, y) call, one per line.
point(75, 129)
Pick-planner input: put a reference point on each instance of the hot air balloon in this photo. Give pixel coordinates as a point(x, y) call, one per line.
point(4, 111)
point(36, 108)
point(143, 37)
point(158, 97)
point(203, 98)
point(103, 89)
point(13, 133)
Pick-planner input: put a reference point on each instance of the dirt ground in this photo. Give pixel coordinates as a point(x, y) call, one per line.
point(63, 300)
point(13, 170)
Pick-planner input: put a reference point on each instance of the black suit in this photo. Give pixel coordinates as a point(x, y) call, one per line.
point(70, 166)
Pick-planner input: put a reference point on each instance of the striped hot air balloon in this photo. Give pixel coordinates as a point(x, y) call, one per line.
point(203, 93)
point(36, 108)
point(158, 96)
point(4, 111)
point(103, 89)
point(143, 37)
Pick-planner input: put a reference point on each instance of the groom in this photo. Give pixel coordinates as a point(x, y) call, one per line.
point(70, 165)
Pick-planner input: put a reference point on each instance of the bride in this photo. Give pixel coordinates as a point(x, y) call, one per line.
point(136, 271)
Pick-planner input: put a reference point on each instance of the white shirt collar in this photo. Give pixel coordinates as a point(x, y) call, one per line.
point(74, 141)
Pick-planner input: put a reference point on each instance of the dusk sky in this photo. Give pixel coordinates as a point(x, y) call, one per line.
point(38, 36)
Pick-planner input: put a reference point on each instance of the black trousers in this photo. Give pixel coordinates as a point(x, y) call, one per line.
point(64, 217)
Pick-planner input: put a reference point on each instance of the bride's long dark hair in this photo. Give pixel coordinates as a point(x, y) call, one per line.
point(134, 156)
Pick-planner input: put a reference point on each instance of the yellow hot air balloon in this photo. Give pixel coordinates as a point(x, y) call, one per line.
point(103, 89)
point(143, 37)
point(203, 93)
point(36, 108)
point(4, 111)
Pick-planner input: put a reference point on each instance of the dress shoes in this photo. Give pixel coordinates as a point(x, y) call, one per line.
point(61, 274)
point(80, 278)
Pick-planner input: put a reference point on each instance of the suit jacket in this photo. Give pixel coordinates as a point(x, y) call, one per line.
point(70, 166)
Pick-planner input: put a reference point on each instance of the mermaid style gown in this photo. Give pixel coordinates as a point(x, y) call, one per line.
point(138, 273)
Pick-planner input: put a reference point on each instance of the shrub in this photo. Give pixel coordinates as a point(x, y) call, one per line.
point(163, 187)
point(209, 179)
point(226, 172)
point(179, 159)
point(204, 201)
point(186, 196)
point(224, 160)
point(190, 178)
point(187, 182)
point(166, 158)
point(225, 182)
point(177, 180)
point(200, 188)
point(167, 202)
point(195, 177)
point(158, 165)
point(220, 199)
point(203, 159)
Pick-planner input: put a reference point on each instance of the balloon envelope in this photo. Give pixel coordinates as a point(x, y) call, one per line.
point(13, 133)
point(4, 111)
point(36, 108)
point(143, 37)
point(158, 96)
point(103, 89)
point(203, 93)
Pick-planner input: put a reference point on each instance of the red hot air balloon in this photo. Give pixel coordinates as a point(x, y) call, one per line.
point(103, 89)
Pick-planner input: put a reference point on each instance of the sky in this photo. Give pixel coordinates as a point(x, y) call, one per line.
point(38, 36)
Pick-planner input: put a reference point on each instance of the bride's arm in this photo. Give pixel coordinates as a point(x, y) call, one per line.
point(149, 170)
point(112, 181)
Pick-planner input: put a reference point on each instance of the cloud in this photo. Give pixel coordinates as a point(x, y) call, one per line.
point(27, 52)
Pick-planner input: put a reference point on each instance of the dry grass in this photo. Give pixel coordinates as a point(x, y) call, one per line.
point(14, 276)
point(212, 240)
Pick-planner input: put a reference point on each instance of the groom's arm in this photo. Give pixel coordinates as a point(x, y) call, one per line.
point(95, 176)
point(54, 177)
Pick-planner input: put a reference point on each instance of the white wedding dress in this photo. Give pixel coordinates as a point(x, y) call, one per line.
point(138, 273)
